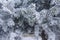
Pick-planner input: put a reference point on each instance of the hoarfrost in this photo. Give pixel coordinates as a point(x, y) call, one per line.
point(29, 19)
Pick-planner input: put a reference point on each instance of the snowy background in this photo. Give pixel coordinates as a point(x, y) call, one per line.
point(29, 19)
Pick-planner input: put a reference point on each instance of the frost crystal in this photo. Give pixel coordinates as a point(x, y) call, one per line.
point(29, 19)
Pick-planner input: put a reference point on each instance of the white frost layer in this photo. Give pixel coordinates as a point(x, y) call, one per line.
point(30, 38)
